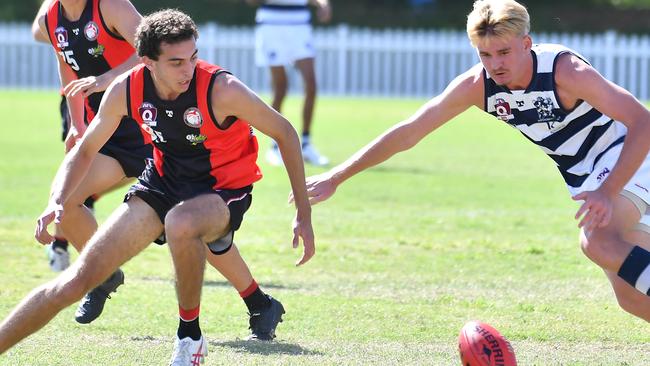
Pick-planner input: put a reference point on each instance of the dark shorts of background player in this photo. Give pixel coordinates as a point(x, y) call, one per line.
point(132, 159)
point(161, 200)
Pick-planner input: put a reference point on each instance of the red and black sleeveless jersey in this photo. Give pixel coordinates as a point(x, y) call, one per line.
point(189, 146)
point(86, 45)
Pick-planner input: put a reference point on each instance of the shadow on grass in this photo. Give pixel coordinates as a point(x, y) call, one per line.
point(221, 283)
point(265, 348)
point(401, 169)
point(239, 345)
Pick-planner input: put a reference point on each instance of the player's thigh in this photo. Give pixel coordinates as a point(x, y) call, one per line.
point(127, 231)
point(104, 174)
point(205, 216)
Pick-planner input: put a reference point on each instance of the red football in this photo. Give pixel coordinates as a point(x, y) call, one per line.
point(481, 345)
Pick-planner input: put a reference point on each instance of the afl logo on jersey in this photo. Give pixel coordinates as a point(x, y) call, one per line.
point(148, 113)
point(61, 36)
point(91, 31)
point(192, 117)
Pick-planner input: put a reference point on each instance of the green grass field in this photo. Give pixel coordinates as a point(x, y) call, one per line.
point(473, 223)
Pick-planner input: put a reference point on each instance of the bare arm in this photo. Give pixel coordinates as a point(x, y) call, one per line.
point(39, 31)
point(464, 92)
point(578, 81)
point(76, 163)
point(123, 19)
point(230, 97)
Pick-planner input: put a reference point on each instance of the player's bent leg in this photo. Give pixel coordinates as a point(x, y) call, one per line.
point(629, 298)
point(188, 226)
point(126, 232)
point(607, 246)
point(232, 266)
point(79, 223)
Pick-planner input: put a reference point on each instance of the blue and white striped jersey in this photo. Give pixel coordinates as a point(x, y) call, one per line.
point(283, 12)
point(575, 139)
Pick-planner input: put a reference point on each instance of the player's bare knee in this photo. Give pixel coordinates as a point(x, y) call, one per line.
point(598, 245)
point(69, 288)
point(180, 224)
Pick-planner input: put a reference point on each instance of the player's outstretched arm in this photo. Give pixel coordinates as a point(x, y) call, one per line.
point(463, 92)
point(123, 19)
point(76, 163)
point(230, 97)
point(578, 81)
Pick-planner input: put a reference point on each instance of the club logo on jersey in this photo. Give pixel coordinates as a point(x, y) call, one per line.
point(192, 117)
point(61, 35)
point(545, 113)
point(96, 51)
point(91, 31)
point(148, 113)
point(502, 108)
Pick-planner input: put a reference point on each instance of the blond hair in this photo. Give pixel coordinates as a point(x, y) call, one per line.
point(497, 18)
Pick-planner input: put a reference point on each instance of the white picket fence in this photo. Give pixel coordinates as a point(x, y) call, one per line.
point(351, 61)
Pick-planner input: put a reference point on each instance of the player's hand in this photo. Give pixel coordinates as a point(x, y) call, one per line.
point(595, 211)
point(319, 188)
point(53, 212)
point(74, 135)
point(302, 229)
point(324, 13)
point(86, 86)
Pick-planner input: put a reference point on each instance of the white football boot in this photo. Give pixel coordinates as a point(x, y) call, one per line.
point(311, 155)
point(273, 156)
point(188, 352)
point(58, 258)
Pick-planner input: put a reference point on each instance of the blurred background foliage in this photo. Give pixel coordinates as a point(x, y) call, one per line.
point(625, 16)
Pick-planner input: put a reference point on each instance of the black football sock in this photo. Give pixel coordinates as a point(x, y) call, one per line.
point(254, 298)
point(60, 243)
point(90, 202)
point(188, 324)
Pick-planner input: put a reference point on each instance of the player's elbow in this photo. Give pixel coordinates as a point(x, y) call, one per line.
point(284, 134)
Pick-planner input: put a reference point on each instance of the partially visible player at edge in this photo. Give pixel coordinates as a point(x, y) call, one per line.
point(283, 37)
point(597, 133)
point(93, 41)
point(112, 24)
point(196, 190)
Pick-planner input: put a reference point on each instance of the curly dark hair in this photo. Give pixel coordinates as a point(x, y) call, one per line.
point(168, 25)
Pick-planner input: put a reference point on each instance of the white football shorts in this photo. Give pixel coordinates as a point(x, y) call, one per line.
point(283, 44)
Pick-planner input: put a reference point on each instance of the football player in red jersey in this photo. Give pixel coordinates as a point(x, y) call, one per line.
point(95, 43)
point(194, 207)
